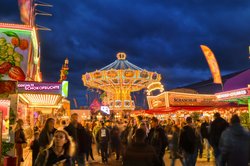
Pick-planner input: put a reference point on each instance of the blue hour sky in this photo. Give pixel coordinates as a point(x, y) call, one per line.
point(159, 35)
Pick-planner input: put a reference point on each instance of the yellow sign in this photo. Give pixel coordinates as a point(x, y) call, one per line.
point(213, 65)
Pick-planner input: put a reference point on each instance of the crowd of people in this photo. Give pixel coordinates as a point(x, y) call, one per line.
point(137, 141)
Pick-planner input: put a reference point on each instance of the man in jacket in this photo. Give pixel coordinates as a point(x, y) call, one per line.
point(217, 127)
point(234, 144)
point(158, 139)
point(205, 136)
point(79, 135)
point(139, 153)
point(103, 137)
point(188, 143)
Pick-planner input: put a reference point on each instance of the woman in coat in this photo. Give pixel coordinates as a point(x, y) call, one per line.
point(47, 133)
point(59, 152)
point(19, 140)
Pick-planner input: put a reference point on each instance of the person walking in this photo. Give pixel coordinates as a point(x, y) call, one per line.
point(19, 140)
point(139, 153)
point(205, 136)
point(234, 144)
point(96, 128)
point(47, 133)
point(35, 147)
point(174, 145)
point(103, 137)
point(59, 152)
point(217, 127)
point(79, 135)
point(115, 141)
point(158, 139)
point(188, 143)
point(89, 151)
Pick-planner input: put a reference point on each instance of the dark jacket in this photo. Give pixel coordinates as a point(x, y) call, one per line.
point(35, 147)
point(188, 139)
point(234, 146)
point(158, 139)
point(115, 136)
point(79, 136)
point(140, 154)
point(20, 136)
point(103, 136)
point(204, 130)
point(217, 127)
point(44, 138)
point(48, 157)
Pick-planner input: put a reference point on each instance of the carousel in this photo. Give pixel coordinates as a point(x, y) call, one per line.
point(118, 80)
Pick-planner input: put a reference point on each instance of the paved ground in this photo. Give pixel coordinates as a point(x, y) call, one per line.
point(113, 162)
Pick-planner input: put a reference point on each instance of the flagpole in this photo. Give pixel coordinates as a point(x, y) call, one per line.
point(222, 87)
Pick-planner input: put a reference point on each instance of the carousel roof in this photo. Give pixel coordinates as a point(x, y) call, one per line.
point(121, 64)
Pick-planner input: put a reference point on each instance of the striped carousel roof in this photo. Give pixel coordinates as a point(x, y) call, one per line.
point(121, 64)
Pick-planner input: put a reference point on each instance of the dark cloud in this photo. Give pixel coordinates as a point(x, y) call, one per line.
point(162, 36)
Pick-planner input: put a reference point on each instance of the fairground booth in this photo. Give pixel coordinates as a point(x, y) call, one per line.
point(22, 94)
point(178, 104)
point(240, 96)
point(19, 61)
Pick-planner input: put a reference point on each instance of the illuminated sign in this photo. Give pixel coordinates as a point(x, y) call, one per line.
point(182, 99)
point(14, 53)
point(105, 109)
point(29, 87)
point(232, 94)
point(65, 88)
point(154, 86)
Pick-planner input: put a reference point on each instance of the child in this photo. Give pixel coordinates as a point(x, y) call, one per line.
point(35, 147)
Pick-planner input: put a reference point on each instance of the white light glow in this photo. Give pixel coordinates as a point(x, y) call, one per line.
point(41, 99)
point(5, 102)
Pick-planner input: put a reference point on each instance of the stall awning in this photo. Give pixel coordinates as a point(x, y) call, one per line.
point(36, 100)
point(175, 109)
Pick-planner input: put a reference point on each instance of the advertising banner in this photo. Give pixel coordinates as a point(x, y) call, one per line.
point(25, 7)
point(14, 53)
point(234, 94)
point(213, 65)
point(181, 99)
point(39, 87)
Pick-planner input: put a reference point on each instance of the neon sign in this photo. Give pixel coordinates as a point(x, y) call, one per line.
point(54, 88)
point(232, 94)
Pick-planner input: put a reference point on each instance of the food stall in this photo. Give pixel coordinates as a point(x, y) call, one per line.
point(183, 104)
point(240, 96)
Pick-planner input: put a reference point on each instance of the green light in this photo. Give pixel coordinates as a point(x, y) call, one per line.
point(65, 88)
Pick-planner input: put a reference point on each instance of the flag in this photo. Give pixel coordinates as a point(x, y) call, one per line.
point(25, 7)
point(212, 63)
point(87, 98)
point(75, 102)
point(134, 99)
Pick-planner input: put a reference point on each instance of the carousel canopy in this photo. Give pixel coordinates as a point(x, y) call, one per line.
point(121, 64)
